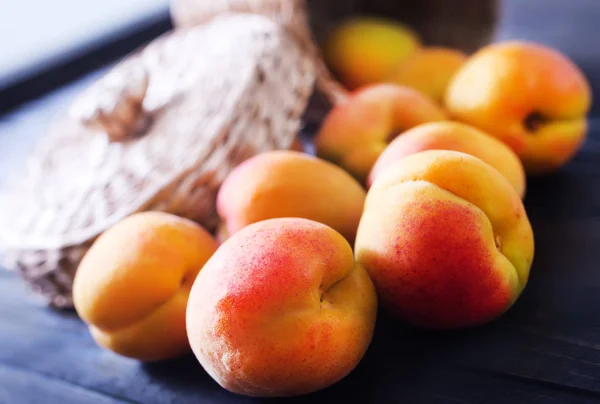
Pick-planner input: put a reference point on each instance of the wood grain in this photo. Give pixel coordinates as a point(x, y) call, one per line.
point(18, 384)
point(546, 349)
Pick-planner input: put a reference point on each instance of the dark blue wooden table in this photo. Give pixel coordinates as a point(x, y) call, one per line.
point(545, 350)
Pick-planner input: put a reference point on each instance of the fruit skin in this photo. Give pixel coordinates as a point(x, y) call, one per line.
point(446, 240)
point(357, 131)
point(429, 70)
point(505, 87)
point(281, 309)
point(132, 286)
point(364, 51)
point(455, 136)
point(290, 184)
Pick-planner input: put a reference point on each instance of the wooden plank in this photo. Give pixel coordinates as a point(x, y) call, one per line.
point(402, 364)
point(552, 335)
point(48, 342)
point(24, 387)
point(544, 350)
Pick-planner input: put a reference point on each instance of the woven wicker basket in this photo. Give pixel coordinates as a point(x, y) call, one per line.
point(159, 132)
point(461, 24)
point(112, 158)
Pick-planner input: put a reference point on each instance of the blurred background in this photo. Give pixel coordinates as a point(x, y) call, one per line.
point(36, 34)
point(44, 44)
point(51, 50)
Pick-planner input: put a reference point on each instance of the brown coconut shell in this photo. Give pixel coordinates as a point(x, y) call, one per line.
point(159, 132)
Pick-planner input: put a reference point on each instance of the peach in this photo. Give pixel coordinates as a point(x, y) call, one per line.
point(357, 131)
point(458, 137)
point(290, 184)
point(363, 51)
point(530, 96)
point(429, 70)
point(281, 309)
point(446, 240)
point(133, 284)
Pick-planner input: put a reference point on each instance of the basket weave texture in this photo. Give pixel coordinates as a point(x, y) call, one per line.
point(159, 132)
point(463, 24)
point(166, 125)
point(290, 14)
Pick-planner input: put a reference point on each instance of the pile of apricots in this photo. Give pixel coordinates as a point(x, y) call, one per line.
point(412, 204)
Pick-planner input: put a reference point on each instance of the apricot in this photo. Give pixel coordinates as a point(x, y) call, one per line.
point(133, 284)
point(289, 184)
point(281, 309)
point(458, 137)
point(357, 131)
point(446, 240)
point(429, 70)
point(364, 50)
point(530, 96)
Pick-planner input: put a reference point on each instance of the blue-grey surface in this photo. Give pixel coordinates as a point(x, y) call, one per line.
point(572, 26)
point(546, 349)
point(21, 129)
point(35, 33)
